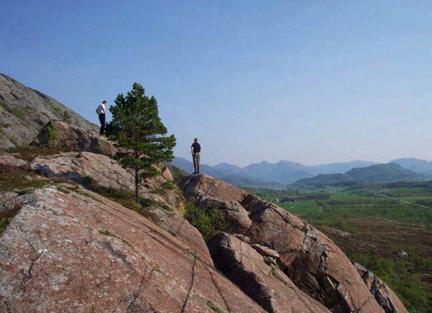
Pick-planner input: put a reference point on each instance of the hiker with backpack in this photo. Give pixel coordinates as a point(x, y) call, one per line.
point(101, 113)
point(196, 149)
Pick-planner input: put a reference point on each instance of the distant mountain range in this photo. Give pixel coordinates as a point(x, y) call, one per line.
point(282, 173)
point(415, 165)
point(375, 174)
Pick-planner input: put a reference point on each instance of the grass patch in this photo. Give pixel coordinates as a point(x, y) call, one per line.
point(13, 178)
point(29, 153)
point(215, 308)
point(207, 221)
point(22, 113)
point(123, 197)
point(145, 202)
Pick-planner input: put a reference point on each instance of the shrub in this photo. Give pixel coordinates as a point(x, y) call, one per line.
point(177, 173)
point(207, 221)
point(168, 185)
point(66, 116)
point(52, 136)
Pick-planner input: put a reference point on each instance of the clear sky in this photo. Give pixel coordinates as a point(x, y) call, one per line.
point(308, 81)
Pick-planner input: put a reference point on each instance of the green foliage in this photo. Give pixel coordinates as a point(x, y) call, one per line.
point(403, 226)
point(177, 173)
point(207, 221)
point(164, 188)
point(146, 203)
point(51, 136)
point(3, 223)
point(66, 116)
point(397, 274)
point(20, 113)
point(123, 197)
point(168, 185)
point(137, 128)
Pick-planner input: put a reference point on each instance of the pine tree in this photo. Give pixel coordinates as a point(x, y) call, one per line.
point(140, 134)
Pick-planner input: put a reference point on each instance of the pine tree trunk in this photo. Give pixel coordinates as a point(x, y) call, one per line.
point(136, 185)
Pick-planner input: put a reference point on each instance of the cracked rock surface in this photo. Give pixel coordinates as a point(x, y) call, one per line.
point(314, 263)
point(264, 283)
point(79, 252)
point(383, 294)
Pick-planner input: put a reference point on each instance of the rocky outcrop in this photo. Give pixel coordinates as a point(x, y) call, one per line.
point(25, 111)
point(100, 171)
point(64, 137)
point(196, 186)
point(96, 169)
point(79, 252)
point(79, 166)
point(10, 160)
point(386, 298)
point(264, 283)
point(310, 258)
point(312, 261)
point(180, 228)
point(236, 218)
point(11, 204)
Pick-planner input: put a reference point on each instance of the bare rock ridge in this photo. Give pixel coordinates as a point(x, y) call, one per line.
point(79, 252)
point(25, 111)
point(308, 257)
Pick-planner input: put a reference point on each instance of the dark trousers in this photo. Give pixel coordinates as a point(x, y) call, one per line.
point(102, 122)
point(196, 162)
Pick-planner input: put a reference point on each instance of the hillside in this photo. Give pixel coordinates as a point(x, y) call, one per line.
point(374, 174)
point(325, 180)
point(25, 111)
point(74, 239)
point(415, 165)
point(383, 173)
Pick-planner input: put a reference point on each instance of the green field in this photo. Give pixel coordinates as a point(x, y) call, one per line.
point(378, 222)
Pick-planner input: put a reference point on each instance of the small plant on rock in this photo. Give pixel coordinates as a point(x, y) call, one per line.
point(207, 221)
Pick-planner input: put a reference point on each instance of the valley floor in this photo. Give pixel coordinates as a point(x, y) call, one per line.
point(387, 228)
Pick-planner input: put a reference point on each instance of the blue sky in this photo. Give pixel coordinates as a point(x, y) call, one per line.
point(309, 81)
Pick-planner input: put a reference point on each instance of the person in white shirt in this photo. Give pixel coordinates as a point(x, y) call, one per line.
point(101, 112)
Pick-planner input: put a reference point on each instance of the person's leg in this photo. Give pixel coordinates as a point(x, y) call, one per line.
point(102, 122)
point(194, 163)
point(198, 163)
